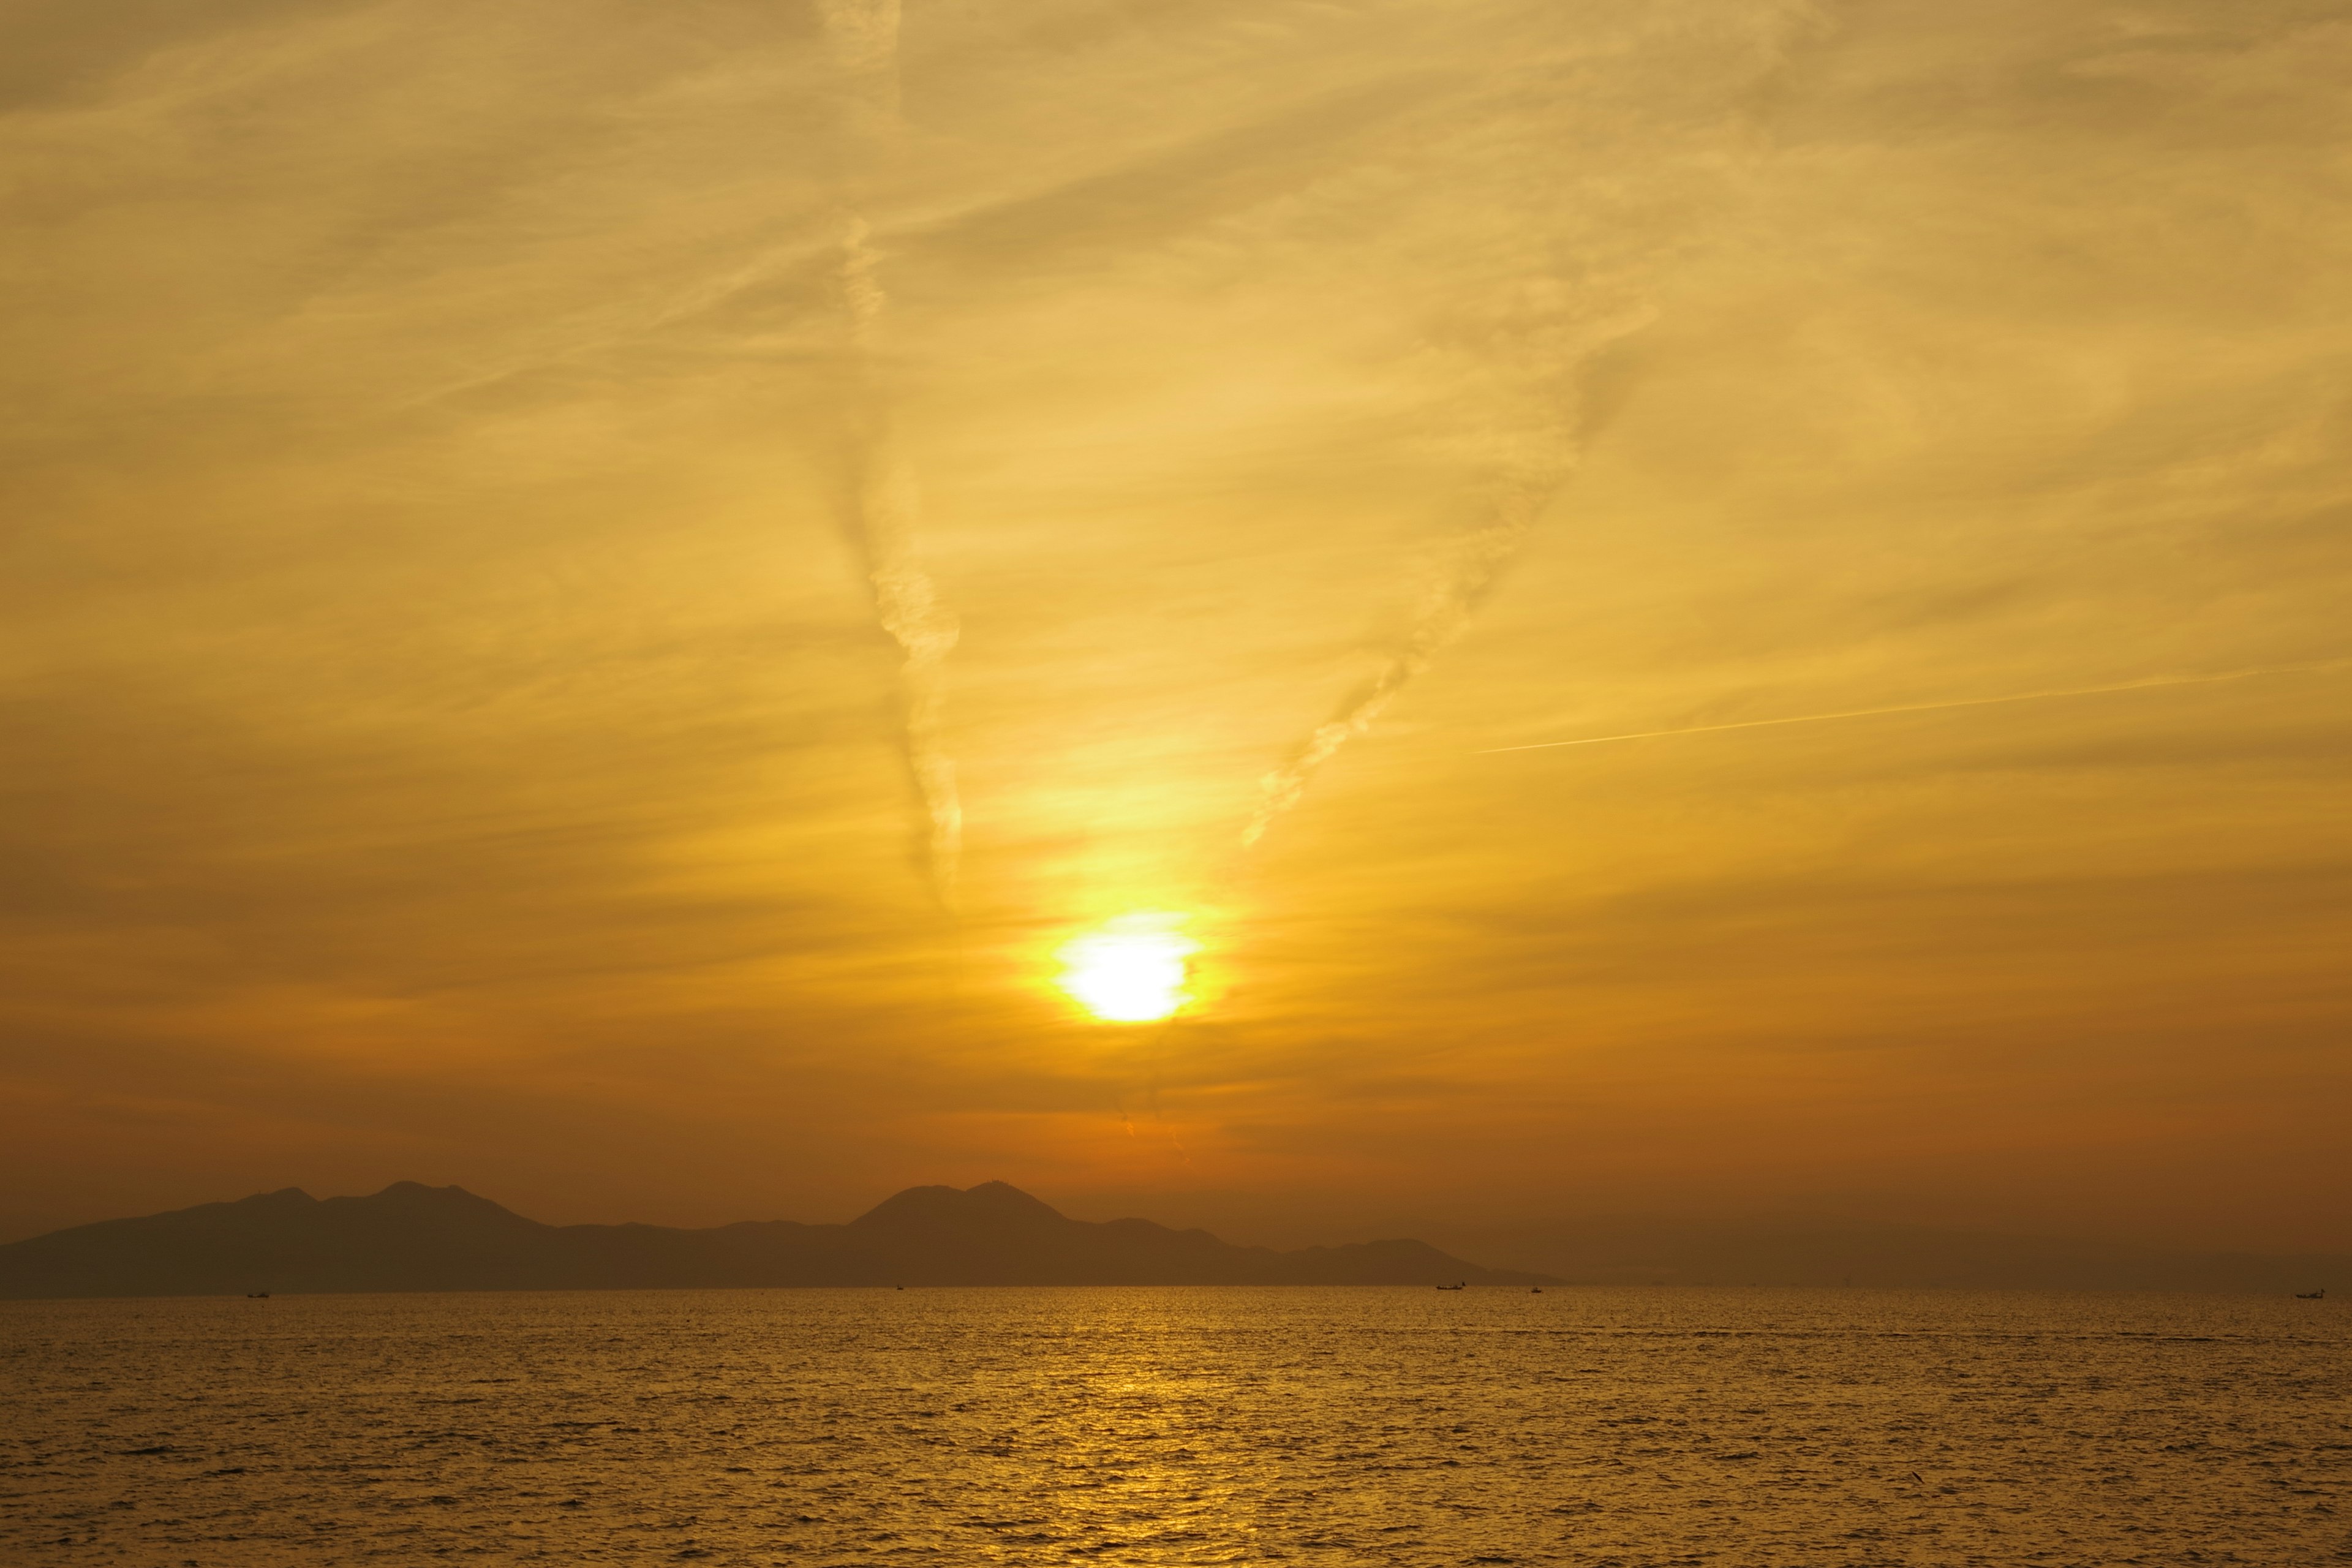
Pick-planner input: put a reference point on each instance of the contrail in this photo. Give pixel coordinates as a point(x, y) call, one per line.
point(1569, 276)
point(879, 503)
point(2149, 684)
point(1467, 571)
point(1555, 331)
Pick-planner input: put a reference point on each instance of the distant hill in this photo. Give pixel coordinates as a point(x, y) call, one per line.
point(415, 1238)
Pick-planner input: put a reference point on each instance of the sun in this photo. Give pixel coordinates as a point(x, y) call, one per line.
point(1132, 970)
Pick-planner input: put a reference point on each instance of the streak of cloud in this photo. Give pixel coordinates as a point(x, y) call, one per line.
point(1575, 278)
point(1461, 578)
point(880, 502)
point(2151, 684)
point(1546, 328)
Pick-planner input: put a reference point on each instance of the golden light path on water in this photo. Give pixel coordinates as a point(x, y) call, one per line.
point(1129, 970)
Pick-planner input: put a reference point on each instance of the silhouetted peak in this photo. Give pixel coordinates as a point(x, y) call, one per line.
point(1004, 1197)
point(416, 1198)
point(912, 1203)
point(991, 1204)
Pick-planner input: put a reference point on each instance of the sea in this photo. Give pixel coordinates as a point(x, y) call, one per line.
point(1140, 1426)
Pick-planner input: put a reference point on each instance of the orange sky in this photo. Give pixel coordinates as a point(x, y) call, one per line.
point(452, 732)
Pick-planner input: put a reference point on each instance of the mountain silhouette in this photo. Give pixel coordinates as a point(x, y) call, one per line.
point(410, 1236)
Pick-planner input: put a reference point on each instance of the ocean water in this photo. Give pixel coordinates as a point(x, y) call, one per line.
point(1133, 1426)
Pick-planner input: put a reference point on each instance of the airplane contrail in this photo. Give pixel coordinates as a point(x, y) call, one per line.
point(1537, 448)
point(1571, 277)
point(880, 502)
point(2152, 683)
point(1468, 571)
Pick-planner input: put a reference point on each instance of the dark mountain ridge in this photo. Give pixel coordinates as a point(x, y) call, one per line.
point(414, 1238)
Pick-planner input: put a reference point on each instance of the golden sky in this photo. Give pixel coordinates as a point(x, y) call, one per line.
point(593, 592)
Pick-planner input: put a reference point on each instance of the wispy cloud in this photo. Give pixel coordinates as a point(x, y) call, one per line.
point(2154, 683)
point(880, 501)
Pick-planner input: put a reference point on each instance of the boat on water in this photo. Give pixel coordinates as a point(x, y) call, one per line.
point(2318, 1295)
point(1463, 1285)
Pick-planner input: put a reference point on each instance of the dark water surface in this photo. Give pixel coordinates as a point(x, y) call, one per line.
point(1339, 1427)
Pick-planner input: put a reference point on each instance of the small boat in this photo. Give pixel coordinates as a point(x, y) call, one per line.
point(257, 1295)
point(1463, 1285)
point(1534, 1290)
point(2318, 1295)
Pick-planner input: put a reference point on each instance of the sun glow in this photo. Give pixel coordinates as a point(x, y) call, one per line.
point(1132, 970)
